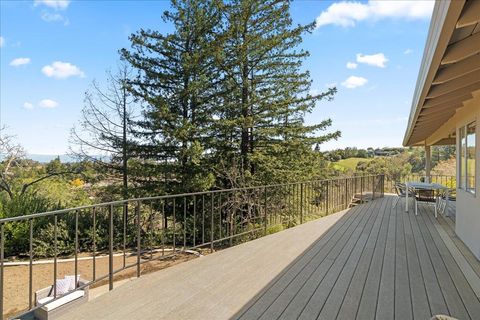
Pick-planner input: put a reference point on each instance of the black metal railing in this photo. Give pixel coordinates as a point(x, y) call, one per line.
point(136, 231)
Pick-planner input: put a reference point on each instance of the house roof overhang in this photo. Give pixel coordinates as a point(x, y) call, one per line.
point(450, 68)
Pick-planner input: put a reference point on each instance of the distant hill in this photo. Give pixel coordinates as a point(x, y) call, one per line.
point(350, 163)
point(44, 158)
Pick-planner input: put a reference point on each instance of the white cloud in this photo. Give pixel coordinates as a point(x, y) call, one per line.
point(352, 65)
point(28, 105)
point(54, 17)
point(62, 70)
point(354, 82)
point(377, 60)
point(2, 41)
point(348, 13)
point(331, 85)
point(407, 51)
point(19, 62)
point(54, 4)
point(48, 103)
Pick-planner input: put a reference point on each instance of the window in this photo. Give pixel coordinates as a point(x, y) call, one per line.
point(470, 157)
point(467, 157)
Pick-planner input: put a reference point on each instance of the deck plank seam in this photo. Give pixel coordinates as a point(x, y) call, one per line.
point(420, 265)
point(385, 254)
point(436, 252)
point(374, 216)
point(371, 215)
point(346, 222)
point(446, 255)
point(342, 235)
point(364, 218)
point(373, 249)
point(384, 220)
point(381, 269)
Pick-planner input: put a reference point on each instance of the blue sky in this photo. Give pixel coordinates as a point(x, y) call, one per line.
point(51, 50)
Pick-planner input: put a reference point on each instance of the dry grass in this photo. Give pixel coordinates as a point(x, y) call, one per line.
point(16, 285)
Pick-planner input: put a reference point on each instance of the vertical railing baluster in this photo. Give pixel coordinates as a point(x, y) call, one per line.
point(194, 219)
point(110, 247)
point(125, 215)
point(184, 223)
point(30, 266)
point(265, 210)
point(152, 224)
point(301, 203)
point(76, 248)
point(361, 189)
point(203, 219)
point(55, 231)
point(346, 193)
point(139, 239)
point(211, 223)
point(174, 225)
point(164, 219)
point(220, 215)
point(94, 244)
point(327, 197)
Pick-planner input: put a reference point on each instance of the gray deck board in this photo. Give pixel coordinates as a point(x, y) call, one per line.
point(296, 304)
point(403, 300)
point(386, 295)
point(371, 262)
point(468, 297)
point(419, 299)
point(301, 270)
point(368, 302)
point(452, 298)
point(434, 293)
point(445, 222)
point(351, 301)
point(337, 295)
point(322, 290)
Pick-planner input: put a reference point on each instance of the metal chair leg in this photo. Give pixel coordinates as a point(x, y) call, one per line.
point(396, 201)
point(416, 207)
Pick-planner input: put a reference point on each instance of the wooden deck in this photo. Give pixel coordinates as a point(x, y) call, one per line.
point(373, 262)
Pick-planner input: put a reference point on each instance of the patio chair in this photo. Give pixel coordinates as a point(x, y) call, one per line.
point(442, 199)
point(71, 298)
point(401, 191)
point(427, 196)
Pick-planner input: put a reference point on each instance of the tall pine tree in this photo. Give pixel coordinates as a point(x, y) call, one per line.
point(266, 94)
point(176, 78)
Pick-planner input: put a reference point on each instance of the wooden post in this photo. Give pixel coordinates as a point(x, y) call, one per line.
point(428, 163)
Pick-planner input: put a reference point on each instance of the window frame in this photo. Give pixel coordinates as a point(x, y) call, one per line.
point(463, 144)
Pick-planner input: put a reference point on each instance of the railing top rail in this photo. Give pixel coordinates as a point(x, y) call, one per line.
point(126, 201)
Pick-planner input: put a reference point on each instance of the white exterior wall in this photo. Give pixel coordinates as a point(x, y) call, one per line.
point(467, 223)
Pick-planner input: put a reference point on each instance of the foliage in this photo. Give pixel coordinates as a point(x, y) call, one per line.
point(349, 165)
point(44, 240)
point(104, 133)
point(228, 100)
point(445, 167)
point(394, 167)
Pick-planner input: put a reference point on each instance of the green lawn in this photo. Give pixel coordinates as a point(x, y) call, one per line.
point(350, 163)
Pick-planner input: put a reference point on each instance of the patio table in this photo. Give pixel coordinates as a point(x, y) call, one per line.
point(425, 186)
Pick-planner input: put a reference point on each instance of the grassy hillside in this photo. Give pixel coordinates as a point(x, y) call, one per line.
point(349, 164)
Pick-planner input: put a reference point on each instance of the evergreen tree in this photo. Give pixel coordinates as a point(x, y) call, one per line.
point(177, 80)
point(266, 94)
